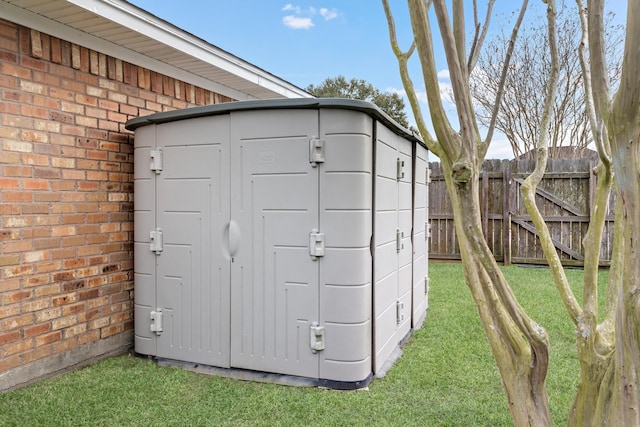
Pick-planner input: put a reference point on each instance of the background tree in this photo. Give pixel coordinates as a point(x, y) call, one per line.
point(609, 352)
point(525, 85)
point(338, 87)
point(519, 345)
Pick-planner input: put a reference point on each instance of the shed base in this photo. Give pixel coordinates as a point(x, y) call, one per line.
point(264, 377)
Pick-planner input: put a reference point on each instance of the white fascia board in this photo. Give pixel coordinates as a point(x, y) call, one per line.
point(142, 22)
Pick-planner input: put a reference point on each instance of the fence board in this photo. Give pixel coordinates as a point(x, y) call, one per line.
point(564, 198)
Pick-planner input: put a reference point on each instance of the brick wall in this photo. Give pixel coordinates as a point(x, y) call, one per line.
point(66, 197)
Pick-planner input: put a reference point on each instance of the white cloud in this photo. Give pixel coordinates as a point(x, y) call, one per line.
point(297, 22)
point(444, 74)
point(300, 18)
point(292, 8)
point(328, 14)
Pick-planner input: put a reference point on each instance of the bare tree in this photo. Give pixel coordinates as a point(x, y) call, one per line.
point(609, 352)
point(526, 85)
point(519, 345)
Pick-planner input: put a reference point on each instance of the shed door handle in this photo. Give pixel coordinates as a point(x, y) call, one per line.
point(234, 238)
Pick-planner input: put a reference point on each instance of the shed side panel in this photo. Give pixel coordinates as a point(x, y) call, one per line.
point(405, 225)
point(346, 202)
point(419, 300)
point(392, 243)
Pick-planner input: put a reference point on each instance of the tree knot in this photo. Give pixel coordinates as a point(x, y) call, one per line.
point(461, 172)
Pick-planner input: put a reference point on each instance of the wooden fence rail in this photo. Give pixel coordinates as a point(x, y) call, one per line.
point(565, 198)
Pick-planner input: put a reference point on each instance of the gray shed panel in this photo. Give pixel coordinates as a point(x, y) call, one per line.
point(283, 236)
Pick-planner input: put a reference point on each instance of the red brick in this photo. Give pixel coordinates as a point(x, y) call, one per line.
point(75, 330)
point(12, 259)
point(19, 171)
point(42, 291)
point(89, 337)
point(64, 322)
point(110, 331)
point(38, 281)
point(37, 329)
point(9, 310)
point(9, 337)
point(46, 173)
point(9, 184)
point(36, 305)
point(65, 345)
point(18, 347)
point(7, 363)
point(17, 322)
point(73, 309)
point(49, 266)
point(49, 338)
point(36, 354)
point(35, 184)
point(88, 294)
point(44, 315)
point(16, 297)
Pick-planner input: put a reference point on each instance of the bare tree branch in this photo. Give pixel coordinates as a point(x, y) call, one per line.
point(533, 180)
point(600, 81)
point(457, 74)
point(478, 41)
point(507, 60)
point(459, 33)
point(627, 102)
point(445, 134)
point(432, 143)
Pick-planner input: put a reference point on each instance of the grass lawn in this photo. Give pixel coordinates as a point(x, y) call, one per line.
point(446, 377)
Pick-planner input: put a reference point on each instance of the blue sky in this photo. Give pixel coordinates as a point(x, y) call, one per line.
point(304, 42)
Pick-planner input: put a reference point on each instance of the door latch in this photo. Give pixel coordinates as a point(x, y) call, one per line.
point(156, 321)
point(316, 337)
point(316, 245)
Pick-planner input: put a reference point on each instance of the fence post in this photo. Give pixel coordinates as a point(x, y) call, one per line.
point(485, 204)
point(592, 186)
point(506, 216)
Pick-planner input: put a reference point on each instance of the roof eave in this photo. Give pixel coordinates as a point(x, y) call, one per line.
point(256, 82)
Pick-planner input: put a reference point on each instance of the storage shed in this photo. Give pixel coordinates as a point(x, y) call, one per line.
point(279, 236)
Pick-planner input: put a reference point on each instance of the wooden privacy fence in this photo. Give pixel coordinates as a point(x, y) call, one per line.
point(565, 199)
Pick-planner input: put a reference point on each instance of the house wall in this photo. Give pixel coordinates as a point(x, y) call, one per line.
point(66, 199)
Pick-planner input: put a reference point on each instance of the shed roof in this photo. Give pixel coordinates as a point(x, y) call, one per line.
point(275, 104)
point(120, 29)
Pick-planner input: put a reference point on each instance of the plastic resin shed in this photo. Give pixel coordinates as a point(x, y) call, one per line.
point(280, 236)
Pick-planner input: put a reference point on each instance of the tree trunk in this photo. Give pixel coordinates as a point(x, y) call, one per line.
point(519, 345)
point(608, 392)
point(595, 343)
point(626, 160)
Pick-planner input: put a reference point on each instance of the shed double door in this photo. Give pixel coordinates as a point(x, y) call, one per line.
point(235, 204)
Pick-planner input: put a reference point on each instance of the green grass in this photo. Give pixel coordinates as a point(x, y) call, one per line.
point(446, 377)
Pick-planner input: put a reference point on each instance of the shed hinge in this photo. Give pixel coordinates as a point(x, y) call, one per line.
point(428, 178)
point(399, 312)
point(426, 285)
point(400, 169)
point(399, 237)
point(316, 151)
point(156, 161)
point(316, 337)
point(427, 227)
point(316, 244)
point(156, 321)
point(156, 241)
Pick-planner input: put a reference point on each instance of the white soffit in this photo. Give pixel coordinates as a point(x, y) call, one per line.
point(122, 30)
